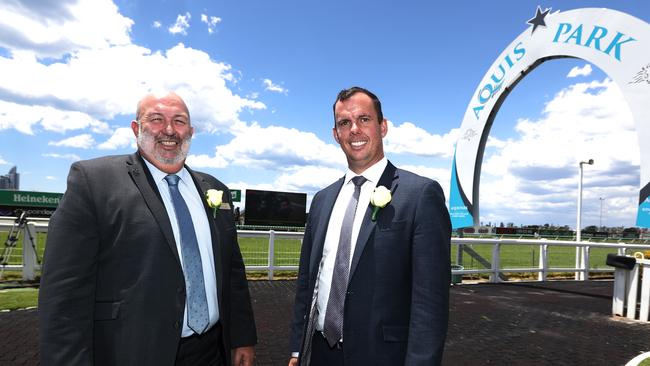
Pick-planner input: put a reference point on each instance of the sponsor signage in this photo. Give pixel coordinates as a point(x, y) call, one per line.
point(616, 42)
point(37, 204)
point(235, 194)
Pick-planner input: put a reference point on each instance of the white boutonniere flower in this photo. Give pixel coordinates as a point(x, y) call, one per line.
point(214, 198)
point(379, 198)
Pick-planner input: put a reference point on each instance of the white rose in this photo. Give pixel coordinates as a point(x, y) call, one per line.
point(214, 198)
point(380, 197)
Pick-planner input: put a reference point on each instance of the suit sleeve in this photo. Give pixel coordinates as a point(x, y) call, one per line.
point(431, 277)
point(241, 317)
point(67, 290)
point(303, 296)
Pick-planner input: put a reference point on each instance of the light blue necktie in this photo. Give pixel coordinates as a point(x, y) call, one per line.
point(197, 304)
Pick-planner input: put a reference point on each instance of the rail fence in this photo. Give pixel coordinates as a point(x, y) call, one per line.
point(490, 254)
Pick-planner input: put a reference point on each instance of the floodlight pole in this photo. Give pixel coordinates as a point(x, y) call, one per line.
point(580, 252)
point(600, 221)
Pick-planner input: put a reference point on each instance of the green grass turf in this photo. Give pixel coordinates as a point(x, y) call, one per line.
point(20, 298)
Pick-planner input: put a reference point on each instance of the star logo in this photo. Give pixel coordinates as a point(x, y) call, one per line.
point(538, 19)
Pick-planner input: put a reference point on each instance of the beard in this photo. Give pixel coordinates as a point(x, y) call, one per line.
point(147, 142)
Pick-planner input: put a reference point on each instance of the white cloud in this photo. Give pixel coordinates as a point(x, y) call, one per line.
point(36, 93)
point(181, 25)
point(205, 161)
point(24, 118)
point(72, 157)
point(3, 161)
point(534, 175)
point(411, 139)
point(49, 177)
point(211, 22)
point(53, 29)
point(278, 148)
point(122, 137)
point(84, 141)
point(580, 71)
point(270, 86)
point(310, 179)
point(156, 24)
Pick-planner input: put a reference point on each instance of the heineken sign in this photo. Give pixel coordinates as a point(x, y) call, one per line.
point(35, 203)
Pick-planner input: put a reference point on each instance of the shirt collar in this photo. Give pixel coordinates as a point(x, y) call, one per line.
point(158, 175)
point(372, 174)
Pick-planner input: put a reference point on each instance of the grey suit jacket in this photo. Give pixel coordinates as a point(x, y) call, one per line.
point(112, 289)
point(397, 301)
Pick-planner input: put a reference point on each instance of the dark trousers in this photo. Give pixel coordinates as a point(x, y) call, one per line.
point(322, 354)
point(202, 350)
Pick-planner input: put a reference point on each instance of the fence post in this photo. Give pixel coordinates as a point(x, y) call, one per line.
point(29, 255)
point(632, 286)
point(645, 293)
point(543, 262)
point(271, 253)
point(494, 278)
point(586, 263)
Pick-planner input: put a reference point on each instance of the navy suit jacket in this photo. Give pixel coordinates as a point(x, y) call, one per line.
point(112, 290)
point(397, 302)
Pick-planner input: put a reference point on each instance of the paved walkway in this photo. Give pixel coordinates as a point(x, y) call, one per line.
point(552, 323)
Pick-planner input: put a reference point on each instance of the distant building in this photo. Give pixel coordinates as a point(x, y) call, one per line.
point(11, 180)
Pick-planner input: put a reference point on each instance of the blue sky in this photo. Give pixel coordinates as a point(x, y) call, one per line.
point(260, 78)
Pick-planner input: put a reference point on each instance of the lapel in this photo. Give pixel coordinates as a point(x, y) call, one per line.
point(202, 185)
point(319, 228)
point(140, 175)
point(388, 179)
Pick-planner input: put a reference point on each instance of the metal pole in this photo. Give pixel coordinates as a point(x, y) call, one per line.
point(578, 225)
point(600, 221)
point(580, 257)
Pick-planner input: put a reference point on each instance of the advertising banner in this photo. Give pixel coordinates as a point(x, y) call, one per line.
point(618, 43)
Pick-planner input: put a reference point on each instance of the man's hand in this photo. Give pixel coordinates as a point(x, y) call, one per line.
point(243, 356)
point(293, 361)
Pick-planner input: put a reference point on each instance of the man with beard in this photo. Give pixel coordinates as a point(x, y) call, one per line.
point(138, 268)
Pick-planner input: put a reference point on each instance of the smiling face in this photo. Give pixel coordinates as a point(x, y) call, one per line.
point(163, 131)
point(359, 132)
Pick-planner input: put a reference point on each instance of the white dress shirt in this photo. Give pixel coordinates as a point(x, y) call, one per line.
point(194, 202)
point(331, 245)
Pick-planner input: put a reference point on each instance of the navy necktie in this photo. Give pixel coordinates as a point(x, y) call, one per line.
point(333, 326)
point(197, 303)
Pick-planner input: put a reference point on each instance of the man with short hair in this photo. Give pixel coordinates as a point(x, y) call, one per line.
point(138, 268)
point(373, 284)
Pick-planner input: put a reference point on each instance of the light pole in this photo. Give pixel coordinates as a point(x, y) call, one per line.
point(579, 250)
point(600, 221)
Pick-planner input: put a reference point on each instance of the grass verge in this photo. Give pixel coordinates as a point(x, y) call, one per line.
point(18, 298)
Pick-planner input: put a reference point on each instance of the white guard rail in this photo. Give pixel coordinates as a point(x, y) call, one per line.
point(29, 264)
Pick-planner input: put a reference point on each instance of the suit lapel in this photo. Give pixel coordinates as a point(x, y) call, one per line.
point(149, 191)
point(388, 179)
point(203, 185)
point(320, 228)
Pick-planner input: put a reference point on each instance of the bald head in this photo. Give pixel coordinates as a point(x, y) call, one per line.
point(166, 97)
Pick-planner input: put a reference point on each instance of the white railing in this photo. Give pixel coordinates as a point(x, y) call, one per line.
point(29, 264)
point(543, 268)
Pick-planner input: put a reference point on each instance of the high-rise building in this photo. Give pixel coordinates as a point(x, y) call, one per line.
point(11, 180)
